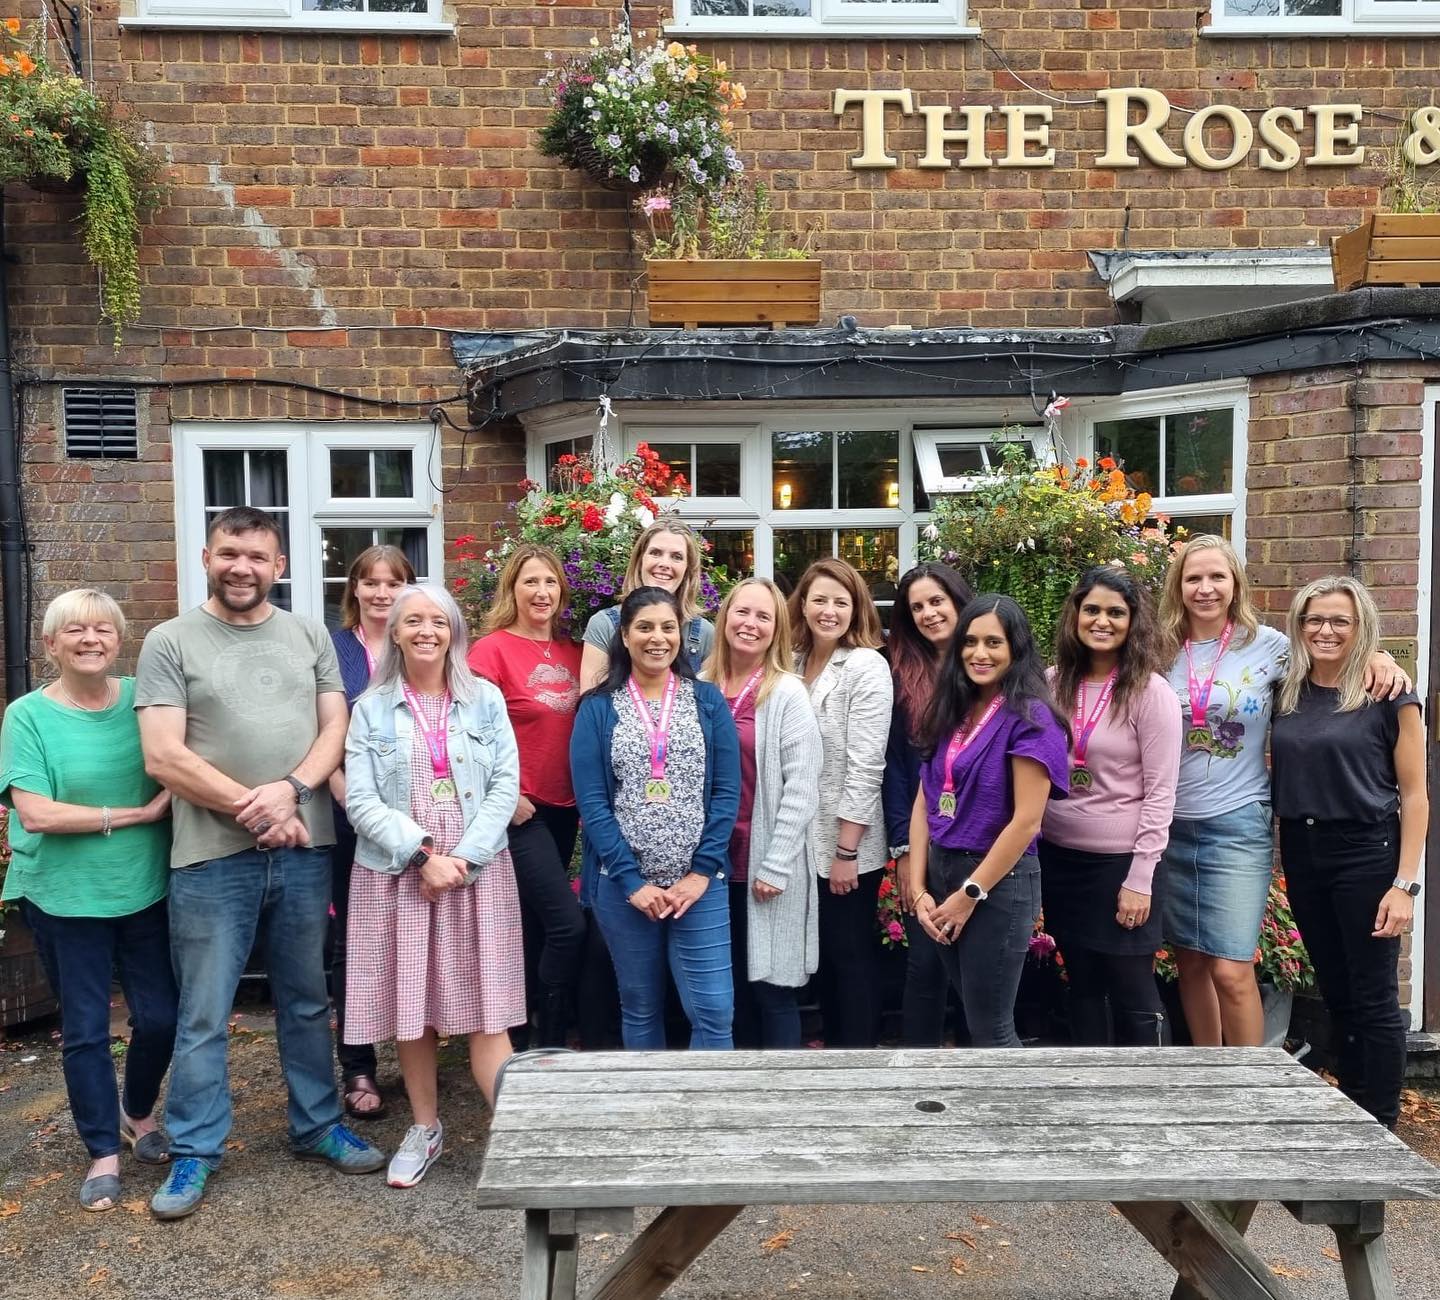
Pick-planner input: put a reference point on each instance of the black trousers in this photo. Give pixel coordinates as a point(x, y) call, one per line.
point(1336, 873)
point(355, 1058)
point(1116, 988)
point(766, 1015)
point(927, 989)
point(541, 849)
point(849, 996)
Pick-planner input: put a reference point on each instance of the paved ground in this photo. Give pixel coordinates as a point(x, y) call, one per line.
point(274, 1228)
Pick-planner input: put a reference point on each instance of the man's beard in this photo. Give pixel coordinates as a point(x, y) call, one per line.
point(231, 599)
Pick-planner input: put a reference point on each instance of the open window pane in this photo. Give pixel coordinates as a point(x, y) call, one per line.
point(1135, 444)
point(869, 469)
point(960, 460)
point(804, 470)
point(1199, 450)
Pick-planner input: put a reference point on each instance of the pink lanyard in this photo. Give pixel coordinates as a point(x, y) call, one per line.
point(435, 741)
point(657, 788)
point(1200, 691)
point(963, 738)
point(1088, 724)
point(738, 702)
point(369, 658)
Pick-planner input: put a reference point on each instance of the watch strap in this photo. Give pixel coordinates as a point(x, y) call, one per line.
point(1411, 887)
point(302, 791)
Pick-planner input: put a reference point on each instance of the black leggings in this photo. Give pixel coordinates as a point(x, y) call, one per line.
point(1127, 984)
point(355, 1058)
point(849, 1000)
point(541, 849)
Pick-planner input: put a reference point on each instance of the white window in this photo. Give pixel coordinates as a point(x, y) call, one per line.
point(334, 490)
point(1322, 17)
point(411, 16)
point(954, 460)
point(1185, 447)
point(831, 18)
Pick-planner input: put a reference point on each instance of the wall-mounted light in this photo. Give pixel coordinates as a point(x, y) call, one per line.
point(892, 496)
point(785, 494)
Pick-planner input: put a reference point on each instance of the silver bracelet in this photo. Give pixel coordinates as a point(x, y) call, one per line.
point(105, 820)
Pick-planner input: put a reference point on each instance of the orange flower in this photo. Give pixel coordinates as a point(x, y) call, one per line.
point(28, 131)
point(12, 25)
point(14, 117)
point(1107, 462)
point(25, 63)
point(1082, 463)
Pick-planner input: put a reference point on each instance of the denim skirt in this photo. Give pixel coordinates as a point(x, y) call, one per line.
point(1217, 878)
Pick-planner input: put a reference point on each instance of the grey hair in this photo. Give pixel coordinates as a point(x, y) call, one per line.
point(81, 605)
point(391, 665)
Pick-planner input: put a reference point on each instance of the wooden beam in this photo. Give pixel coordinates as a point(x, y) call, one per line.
point(663, 1252)
point(1205, 1249)
point(1365, 1263)
point(539, 1257)
point(1239, 1213)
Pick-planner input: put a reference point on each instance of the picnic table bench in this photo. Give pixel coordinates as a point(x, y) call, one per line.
point(1183, 1141)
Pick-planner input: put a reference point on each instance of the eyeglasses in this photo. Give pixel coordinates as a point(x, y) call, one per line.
point(1314, 622)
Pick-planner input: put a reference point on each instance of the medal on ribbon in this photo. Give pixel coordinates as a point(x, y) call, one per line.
point(1081, 778)
point(657, 734)
point(1198, 735)
point(442, 788)
point(963, 738)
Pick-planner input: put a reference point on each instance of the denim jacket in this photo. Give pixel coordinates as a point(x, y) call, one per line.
point(483, 760)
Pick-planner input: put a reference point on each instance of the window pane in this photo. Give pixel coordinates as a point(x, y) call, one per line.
point(394, 474)
point(1195, 525)
point(331, 613)
point(733, 549)
point(1312, 8)
point(917, 486)
point(1252, 8)
point(717, 469)
point(397, 6)
point(1199, 448)
point(869, 470)
point(677, 456)
point(349, 473)
point(332, 6)
point(875, 552)
point(224, 478)
point(961, 459)
point(796, 549)
point(554, 450)
point(413, 542)
point(269, 481)
point(783, 8)
point(280, 595)
point(340, 546)
point(1136, 445)
point(803, 471)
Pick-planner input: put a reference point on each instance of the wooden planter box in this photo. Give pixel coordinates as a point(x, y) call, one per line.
point(776, 292)
point(25, 993)
point(1390, 248)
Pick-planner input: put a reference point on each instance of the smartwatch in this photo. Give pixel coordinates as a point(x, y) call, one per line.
point(973, 889)
point(1411, 887)
point(419, 858)
point(302, 791)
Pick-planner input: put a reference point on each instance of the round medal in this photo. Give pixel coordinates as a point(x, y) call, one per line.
point(657, 791)
point(947, 804)
point(1199, 738)
point(443, 790)
point(1080, 778)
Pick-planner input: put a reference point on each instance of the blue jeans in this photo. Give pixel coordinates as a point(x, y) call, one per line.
point(217, 909)
point(80, 955)
point(697, 947)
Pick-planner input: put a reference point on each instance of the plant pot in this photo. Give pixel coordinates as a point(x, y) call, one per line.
point(587, 158)
point(25, 993)
point(1389, 248)
point(763, 291)
point(1277, 1004)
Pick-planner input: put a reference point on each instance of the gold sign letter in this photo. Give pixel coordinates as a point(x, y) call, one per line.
point(1146, 132)
point(1241, 132)
point(1018, 134)
point(872, 122)
point(1328, 134)
point(938, 135)
point(1281, 151)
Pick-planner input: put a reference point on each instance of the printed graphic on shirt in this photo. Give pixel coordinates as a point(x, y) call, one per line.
point(554, 686)
point(264, 682)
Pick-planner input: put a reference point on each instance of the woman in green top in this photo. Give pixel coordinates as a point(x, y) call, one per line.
point(91, 841)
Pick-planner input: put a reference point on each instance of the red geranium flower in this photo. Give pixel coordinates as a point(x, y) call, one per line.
point(592, 521)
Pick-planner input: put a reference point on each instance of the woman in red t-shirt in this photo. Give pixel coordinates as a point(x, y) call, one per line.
point(537, 669)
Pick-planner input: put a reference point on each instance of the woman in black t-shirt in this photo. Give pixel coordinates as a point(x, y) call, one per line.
point(1349, 793)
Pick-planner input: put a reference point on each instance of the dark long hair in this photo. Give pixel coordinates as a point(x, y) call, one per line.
point(620, 665)
point(912, 658)
point(1139, 656)
point(1023, 686)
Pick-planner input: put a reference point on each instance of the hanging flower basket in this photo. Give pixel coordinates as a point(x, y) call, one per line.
point(584, 155)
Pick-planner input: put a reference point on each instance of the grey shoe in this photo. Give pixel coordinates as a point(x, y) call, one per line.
point(151, 1148)
point(103, 1187)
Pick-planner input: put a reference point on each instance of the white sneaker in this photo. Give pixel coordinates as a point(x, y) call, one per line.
point(420, 1149)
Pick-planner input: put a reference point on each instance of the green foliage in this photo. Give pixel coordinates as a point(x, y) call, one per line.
point(1030, 532)
point(53, 130)
point(736, 222)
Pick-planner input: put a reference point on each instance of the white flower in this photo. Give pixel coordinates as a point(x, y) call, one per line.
point(931, 533)
point(615, 509)
point(644, 516)
point(587, 102)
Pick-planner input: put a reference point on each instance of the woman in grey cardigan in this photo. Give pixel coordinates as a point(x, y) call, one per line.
point(837, 632)
point(774, 930)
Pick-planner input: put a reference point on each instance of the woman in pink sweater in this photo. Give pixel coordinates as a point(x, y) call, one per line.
point(1100, 848)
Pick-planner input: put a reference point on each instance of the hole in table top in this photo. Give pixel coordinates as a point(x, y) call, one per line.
point(930, 1107)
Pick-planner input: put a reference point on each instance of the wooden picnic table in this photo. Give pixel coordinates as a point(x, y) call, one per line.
point(1183, 1141)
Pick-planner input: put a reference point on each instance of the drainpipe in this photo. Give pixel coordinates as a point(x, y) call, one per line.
point(16, 633)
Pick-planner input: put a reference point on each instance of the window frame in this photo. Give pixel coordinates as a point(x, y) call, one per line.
point(835, 20)
point(700, 436)
point(311, 508)
point(1370, 17)
point(281, 15)
point(927, 442)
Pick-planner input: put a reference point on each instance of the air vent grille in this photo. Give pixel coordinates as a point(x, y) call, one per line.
point(101, 424)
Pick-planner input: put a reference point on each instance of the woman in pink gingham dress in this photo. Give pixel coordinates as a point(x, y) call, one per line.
point(434, 944)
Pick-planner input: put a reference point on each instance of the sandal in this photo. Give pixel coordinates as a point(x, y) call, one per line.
point(362, 1085)
point(103, 1187)
point(150, 1148)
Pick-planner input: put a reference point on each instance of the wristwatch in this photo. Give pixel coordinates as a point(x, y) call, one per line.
point(302, 791)
point(1411, 887)
point(974, 889)
point(419, 858)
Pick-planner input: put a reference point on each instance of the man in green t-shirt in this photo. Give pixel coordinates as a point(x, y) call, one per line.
point(242, 717)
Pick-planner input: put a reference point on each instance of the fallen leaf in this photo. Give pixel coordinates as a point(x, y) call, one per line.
point(957, 1264)
point(1330, 1253)
point(97, 1277)
point(780, 1240)
point(7, 1208)
point(135, 1207)
point(53, 1176)
point(962, 1236)
point(234, 1144)
point(1284, 1270)
point(981, 1220)
point(918, 1268)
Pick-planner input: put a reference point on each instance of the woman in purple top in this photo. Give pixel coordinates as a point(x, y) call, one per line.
point(998, 751)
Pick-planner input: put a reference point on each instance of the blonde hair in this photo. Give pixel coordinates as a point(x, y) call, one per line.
point(688, 592)
point(864, 629)
point(82, 605)
point(505, 612)
point(363, 567)
point(1363, 644)
point(1172, 603)
point(779, 657)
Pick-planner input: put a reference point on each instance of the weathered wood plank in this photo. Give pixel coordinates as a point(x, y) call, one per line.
point(695, 1111)
point(1238, 1214)
point(691, 1179)
point(672, 1242)
point(1038, 1139)
point(1366, 1216)
point(892, 1078)
point(1205, 1249)
point(789, 269)
point(1389, 225)
point(565, 1251)
point(539, 1257)
point(1366, 1265)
